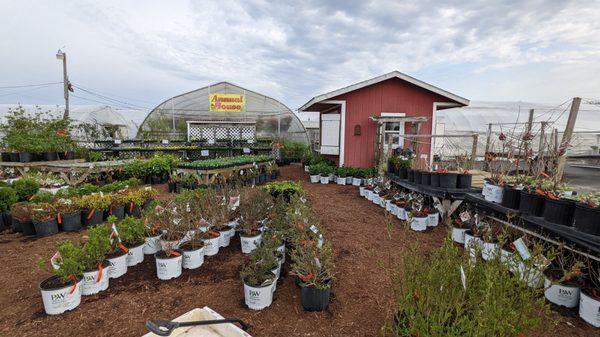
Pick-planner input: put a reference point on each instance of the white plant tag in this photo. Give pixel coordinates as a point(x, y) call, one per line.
point(165, 141)
point(118, 141)
point(314, 229)
point(55, 258)
point(147, 188)
point(463, 278)
point(250, 141)
point(101, 194)
point(522, 248)
point(211, 141)
point(246, 150)
point(465, 216)
point(204, 153)
point(303, 200)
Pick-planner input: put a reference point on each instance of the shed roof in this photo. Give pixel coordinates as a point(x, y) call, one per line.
point(384, 77)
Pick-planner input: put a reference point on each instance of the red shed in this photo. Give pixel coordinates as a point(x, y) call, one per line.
point(388, 106)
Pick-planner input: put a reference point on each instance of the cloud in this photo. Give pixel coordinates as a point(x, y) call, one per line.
point(501, 50)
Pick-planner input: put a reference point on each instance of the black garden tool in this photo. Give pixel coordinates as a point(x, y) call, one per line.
point(165, 328)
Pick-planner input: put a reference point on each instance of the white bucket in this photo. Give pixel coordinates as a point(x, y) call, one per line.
point(589, 309)
point(135, 255)
point(388, 205)
point(349, 180)
point(375, 198)
point(394, 209)
point(458, 234)
point(306, 168)
point(401, 213)
point(314, 178)
point(566, 296)
point(168, 268)
point(418, 224)
point(433, 219)
point(489, 250)
point(193, 259)
point(225, 237)
point(494, 193)
point(332, 177)
point(151, 245)
point(484, 190)
point(356, 181)
point(369, 194)
point(249, 243)
point(57, 301)
point(92, 284)
point(532, 275)
point(118, 266)
point(211, 246)
point(361, 191)
point(324, 179)
point(258, 298)
point(341, 180)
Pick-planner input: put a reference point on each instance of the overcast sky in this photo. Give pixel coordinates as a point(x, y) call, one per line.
point(143, 52)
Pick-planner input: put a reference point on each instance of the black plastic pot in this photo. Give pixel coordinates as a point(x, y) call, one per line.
point(6, 157)
point(50, 156)
point(511, 197)
point(66, 155)
point(586, 219)
point(464, 180)
point(118, 211)
point(7, 218)
point(91, 218)
point(25, 157)
point(171, 187)
point(418, 175)
point(25, 227)
point(411, 175)
point(435, 179)
point(448, 180)
point(70, 222)
point(314, 299)
point(46, 227)
point(14, 157)
point(559, 211)
point(425, 178)
point(531, 203)
point(403, 173)
point(2, 226)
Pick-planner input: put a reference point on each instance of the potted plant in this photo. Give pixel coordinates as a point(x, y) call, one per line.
point(531, 201)
point(92, 208)
point(117, 256)
point(589, 303)
point(459, 227)
point(357, 175)
point(21, 218)
point(25, 188)
point(68, 215)
point(132, 233)
point(134, 203)
point(559, 206)
point(314, 267)
point(117, 205)
point(587, 213)
point(563, 280)
point(44, 221)
point(169, 263)
point(342, 173)
point(62, 291)
point(325, 173)
point(253, 211)
point(258, 278)
point(95, 266)
point(314, 173)
point(152, 223)
point(193, 251)
point(8, 197)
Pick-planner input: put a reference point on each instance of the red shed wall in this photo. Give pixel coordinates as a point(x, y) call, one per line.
point(393, 95)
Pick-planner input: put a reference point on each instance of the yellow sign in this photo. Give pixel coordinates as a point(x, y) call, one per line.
point(227, 102)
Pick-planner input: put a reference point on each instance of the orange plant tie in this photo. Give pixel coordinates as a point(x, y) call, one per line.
point(99, 272)
point(59, 218)
point(173, 252)
point(131, 204)
point(123, 248)
point(74, 286)
point(91, 213)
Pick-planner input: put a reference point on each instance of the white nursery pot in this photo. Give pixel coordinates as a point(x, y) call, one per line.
point(589, 309)
point(489, 250)
point(458, 234)
point(258, 298)
point(349, 180)
point(361, 191)
point(324, 179)
point(225, 237)
point(168, 268)
point(433, 219)
point(332, 177)
point(135, 255)
point(341, 180)
point(394, 209)
point(484, 190)
point(118, 266)
point(369, 194)
point(249, 243)
point(473, 244)
point(375, 198)
point(151, 245)
point(509, 259)
point(418, 224)
point(356, 181)
point(93, 282)
point(401, 213)
point(306, 168)
point(56, 301)
point(494, 193)
point(563, 295)
point(193, 259)
point(314, 179)
point(532, 275)
point(211, 246)
point(388, 205)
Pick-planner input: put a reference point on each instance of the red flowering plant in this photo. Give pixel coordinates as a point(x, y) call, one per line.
point(313, 266)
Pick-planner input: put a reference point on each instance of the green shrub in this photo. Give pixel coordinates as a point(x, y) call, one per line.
point(97, 247)
point(42, 197)
point(131, 231)
point(8, 196)
point(26, 187)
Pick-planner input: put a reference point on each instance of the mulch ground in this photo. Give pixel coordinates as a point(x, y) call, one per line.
point(361, 301)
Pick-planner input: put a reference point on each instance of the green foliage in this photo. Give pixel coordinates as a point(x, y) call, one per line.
point(294, 151)
point(226, 162)
point(97, 247)
point(70, 262)
point(322, 168)
point(131, 231)
point(120, 185)
point(284, 188)
point(42, 197)
point(93, 156)
point(433, 302)
point(158, 165)
point(313, 265)
point(256, 272)
point(8, 196)
point(96, 202)
point(42, 212)
point(21, 211)
point(26, 187)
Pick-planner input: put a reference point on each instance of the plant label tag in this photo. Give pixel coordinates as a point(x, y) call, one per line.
point(302, 199)
point(165, 141)
point(250, 141)
point(118, 141)
point(314, 229)
point(465, 216)
point(179, 171)
point(211, 141)
point(148, 188)
point(204, 153)
point(463, 278)
point(246, 150)
point(522, 248)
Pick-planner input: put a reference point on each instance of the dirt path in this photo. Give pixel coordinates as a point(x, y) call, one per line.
point(361, 295)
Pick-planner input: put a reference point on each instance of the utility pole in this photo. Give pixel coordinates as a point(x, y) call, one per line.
point(567, 135)
point(526, 138)
point(488, 141)
point(60, 55)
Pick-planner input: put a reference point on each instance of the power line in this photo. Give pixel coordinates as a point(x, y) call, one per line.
point(112, 100)
point(29, 85)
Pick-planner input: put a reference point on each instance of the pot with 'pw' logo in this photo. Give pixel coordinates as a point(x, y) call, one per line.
point(561, 294)
point(95, 281)
point(135, 255)
point(259, 297)
point(168, 264)
point(249, 243)
point(118, 264)
point(59, 296)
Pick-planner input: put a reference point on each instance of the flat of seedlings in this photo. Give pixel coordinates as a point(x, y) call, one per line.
point(361, 302)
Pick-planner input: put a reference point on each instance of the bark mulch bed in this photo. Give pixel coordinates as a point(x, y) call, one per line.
point(361, 299)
